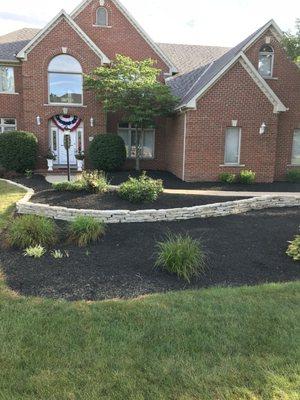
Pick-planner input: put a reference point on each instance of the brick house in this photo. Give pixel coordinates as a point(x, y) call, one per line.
point(239, 108)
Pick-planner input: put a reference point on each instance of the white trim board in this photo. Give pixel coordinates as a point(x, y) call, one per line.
point(48, 28)
point(136, 25)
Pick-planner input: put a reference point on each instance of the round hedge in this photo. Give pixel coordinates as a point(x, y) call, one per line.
point(107, 152)
point(18, 151)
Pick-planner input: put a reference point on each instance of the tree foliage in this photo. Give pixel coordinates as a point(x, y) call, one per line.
point(132, 88)
point(291, 43)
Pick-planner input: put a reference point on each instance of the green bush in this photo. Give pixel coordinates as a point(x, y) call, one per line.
point(85, 230)
point(31, 230)
point(227, 177)
point(35, 251)
point(18, 151)
point(107, 152)
point(293, 176)
point(91, 181)
point(294, 249)
point(247, 177)
point(137, 190)
point(181, 255)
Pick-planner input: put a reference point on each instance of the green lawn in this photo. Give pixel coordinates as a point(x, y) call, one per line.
point(9, 194)
point(215, 344)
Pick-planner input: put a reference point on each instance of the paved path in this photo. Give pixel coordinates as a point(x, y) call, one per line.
point(230, 193)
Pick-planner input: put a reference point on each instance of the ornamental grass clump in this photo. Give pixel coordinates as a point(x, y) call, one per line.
point(138, 190)
point(31, 230)
point(293, 250)
point(85, 230)
point(181, 255)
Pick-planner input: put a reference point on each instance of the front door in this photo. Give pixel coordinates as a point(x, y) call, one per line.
point(57, 144)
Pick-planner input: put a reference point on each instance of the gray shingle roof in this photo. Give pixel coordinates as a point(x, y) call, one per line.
point(13, 42)
point(189, 57)
point(188, 85)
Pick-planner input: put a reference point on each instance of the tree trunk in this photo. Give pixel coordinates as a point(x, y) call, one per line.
point(138, 134)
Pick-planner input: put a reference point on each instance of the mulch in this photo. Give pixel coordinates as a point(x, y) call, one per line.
point(244, 249)
point(111, 201)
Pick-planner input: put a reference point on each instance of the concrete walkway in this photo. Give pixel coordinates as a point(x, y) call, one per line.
point(52, 178)
point(233, 193)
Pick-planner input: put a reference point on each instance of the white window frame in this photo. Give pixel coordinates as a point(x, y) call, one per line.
point(106, 16)
point(132, 129)
point(63, 73)
point(13, 74)
point(267, 53)
point(293, 162)
point(3, 125)
point(239, 147)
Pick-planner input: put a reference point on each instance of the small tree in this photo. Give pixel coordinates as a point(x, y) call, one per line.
point(132, 89)
point(292, 43)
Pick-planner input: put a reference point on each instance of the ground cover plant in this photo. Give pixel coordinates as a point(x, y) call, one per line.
point(35, 251)
point(90, 181)
point(227, 177)
point(293, 176)
point(247, 177)
point(31, 230)
point(294, 249)
point(141, 189)
point(181, 255)
point(85, 230)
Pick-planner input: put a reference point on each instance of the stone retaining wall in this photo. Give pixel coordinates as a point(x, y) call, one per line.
point(24, 206)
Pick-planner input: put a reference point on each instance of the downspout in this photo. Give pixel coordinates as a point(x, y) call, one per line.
point(184, 145)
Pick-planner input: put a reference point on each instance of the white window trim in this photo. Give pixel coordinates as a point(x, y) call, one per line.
point(131, 128)
point(238, 163)
point(2, 125)
point(293, 164)
point(14, 86)
point(264, 53)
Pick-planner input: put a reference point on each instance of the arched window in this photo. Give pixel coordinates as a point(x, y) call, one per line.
point(65, 80)
point(101, 16)
point(266, 61)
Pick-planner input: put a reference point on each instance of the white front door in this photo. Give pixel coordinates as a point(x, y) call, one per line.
point(57, 144)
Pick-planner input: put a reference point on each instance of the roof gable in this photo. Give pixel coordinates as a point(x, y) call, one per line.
point(136, 25)
point(48, 28)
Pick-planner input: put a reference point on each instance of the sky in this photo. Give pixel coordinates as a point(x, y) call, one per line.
point(206, 22)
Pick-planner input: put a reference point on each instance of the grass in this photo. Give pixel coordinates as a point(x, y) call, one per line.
point(85, 230)
point(215, 344)
point(9, 194)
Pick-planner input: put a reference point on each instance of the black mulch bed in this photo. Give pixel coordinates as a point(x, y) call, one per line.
point(111, 201)
point(241, 250)
point(37, 182)
point(172, 182)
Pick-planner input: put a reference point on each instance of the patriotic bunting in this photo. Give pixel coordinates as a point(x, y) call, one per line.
point(66, 122)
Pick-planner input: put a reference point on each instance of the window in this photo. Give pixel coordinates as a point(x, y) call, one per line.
point(7, 81)
point(232, 146)
point(128, 134)
point(296, 148)
point(266, 61)
point(8, 124)
point(65, 80)
point(102, 17)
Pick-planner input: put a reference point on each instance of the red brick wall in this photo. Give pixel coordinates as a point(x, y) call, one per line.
point(287, 87)
point(35, 86)
point(175, 144)
point(234, 97)
point(120, 37)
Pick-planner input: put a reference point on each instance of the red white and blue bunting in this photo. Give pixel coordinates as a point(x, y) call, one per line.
point(67, 122)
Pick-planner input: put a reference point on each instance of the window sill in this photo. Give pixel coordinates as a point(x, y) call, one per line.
point(65, 105)
point(9, 93)
point(102, 26)
point(233, 165)
point(270, 78)
point(293, 165)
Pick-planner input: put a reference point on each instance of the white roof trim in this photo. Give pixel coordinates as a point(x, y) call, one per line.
point(249, 67)
point(62, 15)
point(276, 31)
point(137, 26)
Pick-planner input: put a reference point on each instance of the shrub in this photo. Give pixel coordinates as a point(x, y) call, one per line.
point(58, 254)
point(91, 181)
point(35, 251)
point(31, 230)
point(137, 190)
point(293, 176)
point(85, 230)
point(247, 177)
point(294, 249)
point(18, 151)
point(226, 177)
point(181, 255)
point(107, 152)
